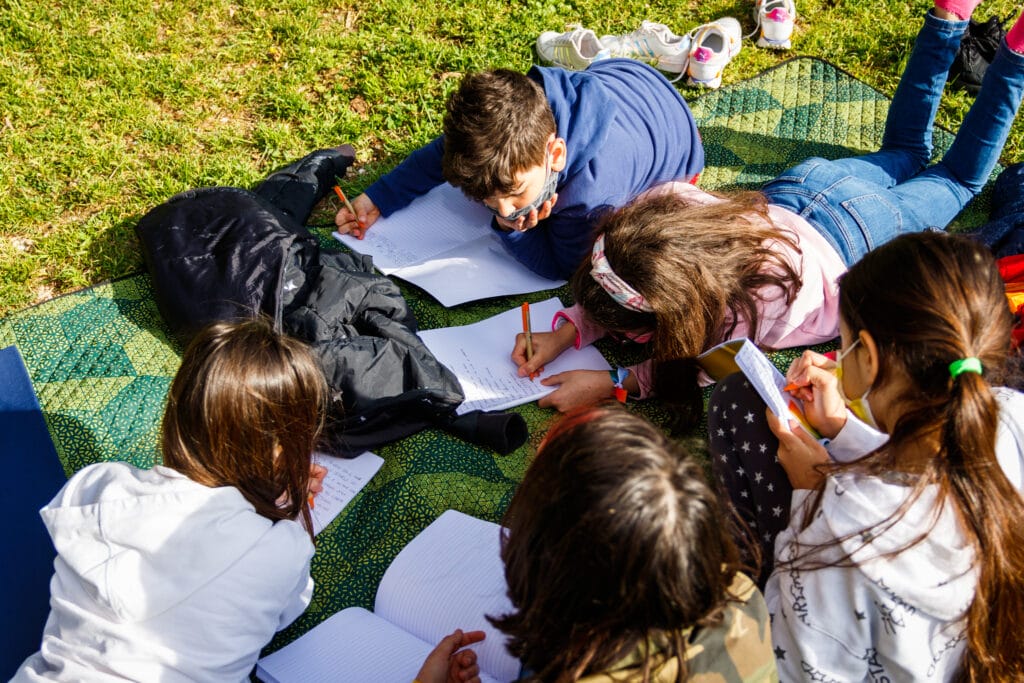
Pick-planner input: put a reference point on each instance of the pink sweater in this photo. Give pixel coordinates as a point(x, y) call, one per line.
point(812, 317)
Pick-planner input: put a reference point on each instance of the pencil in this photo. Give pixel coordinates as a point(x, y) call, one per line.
point(528, 334)
point(348, 204)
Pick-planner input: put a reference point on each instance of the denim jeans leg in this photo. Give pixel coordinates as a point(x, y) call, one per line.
point(936, 195)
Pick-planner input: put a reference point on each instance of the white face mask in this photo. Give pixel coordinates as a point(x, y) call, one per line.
point(858, 406)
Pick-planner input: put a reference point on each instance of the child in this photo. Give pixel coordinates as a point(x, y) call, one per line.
point(693, 270)
point(185, 571)
point(619, 563)
point(548, 152)
point(904, 555)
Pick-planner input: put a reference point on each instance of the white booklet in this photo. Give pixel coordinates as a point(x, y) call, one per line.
point(443, 243)
point(742, 355)
point(450, 576)
point(480, 355)
point(345, 478)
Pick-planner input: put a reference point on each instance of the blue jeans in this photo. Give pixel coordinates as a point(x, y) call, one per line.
point(861, 203)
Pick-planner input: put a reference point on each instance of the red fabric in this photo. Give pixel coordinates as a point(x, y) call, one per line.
point(1011, 268)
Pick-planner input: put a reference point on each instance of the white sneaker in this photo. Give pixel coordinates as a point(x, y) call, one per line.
point(712, 46)
point(575, 49)
point(654, 44)
point(774, 19)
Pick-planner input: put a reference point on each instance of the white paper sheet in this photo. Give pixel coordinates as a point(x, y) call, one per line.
point(450, 576)
point(443, 243)
point(480, 355)
point(345, 478)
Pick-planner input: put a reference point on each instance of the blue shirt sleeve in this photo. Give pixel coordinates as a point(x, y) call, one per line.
point(418, 174)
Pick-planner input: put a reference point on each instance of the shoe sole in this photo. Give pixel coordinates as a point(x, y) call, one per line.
point(774, 44)
point(713, 83)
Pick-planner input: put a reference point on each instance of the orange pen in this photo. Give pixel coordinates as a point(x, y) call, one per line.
point(527, 332)
point(348, 205)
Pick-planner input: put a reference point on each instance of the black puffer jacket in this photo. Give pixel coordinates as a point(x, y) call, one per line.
point(223, 253)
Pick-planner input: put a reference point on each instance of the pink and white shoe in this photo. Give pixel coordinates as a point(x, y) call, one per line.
point(712, 46)
point(775, 20)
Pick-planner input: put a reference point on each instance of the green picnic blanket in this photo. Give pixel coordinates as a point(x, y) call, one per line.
point(101, 359)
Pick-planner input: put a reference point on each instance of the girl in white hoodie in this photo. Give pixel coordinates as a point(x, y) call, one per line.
point(185, 571)
point(903, 557)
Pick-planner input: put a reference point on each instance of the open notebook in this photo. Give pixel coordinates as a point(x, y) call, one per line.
point(480, 355)
point(443, 243)
point(450, 576)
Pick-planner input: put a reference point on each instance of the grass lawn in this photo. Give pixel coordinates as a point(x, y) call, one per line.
point(108, 108)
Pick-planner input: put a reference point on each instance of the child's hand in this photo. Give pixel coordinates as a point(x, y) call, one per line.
point(316, 478)
point(445, 665)
point(366, 215)
point(576, 388)
point(530, 220)
point(815, 376)
point(799, 452)
point(547, 346)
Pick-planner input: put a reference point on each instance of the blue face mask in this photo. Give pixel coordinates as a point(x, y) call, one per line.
point(546, 193)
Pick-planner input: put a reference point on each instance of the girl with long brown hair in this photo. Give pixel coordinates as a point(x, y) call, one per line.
point(187, 569)
point(903, 556)
point(690, 270)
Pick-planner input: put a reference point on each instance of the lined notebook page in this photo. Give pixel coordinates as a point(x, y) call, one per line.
point(449, 577)
point(480, 356)
point(345, 478)
point(443, 243)
point(431, 225)
point(352, 645)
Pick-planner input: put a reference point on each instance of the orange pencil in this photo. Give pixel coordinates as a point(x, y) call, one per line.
point(312, 501)
point(529, 335)
point(791, 386)
point(348, 204)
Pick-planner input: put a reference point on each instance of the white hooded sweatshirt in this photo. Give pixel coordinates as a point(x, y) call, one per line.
point(158, 578)
point(897, 618)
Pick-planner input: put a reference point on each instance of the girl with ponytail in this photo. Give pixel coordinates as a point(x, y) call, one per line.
point(903, 556)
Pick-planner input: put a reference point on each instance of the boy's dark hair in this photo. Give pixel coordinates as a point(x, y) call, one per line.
point(614, 539)
point(244, 391)
point(498, 124)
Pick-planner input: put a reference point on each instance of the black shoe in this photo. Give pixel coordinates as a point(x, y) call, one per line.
point(977, 50)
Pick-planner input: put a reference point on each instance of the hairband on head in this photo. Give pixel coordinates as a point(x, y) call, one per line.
point(617, 288)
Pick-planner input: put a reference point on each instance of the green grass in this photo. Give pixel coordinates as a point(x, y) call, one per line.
point(108, 108)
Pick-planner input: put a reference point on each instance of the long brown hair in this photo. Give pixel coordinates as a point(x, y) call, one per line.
point(243, 393)
point(698, 266)
point(929, 299)
point(614, 540)
point(497, 125)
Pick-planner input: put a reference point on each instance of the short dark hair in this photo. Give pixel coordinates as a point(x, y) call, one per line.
point(243, 391)
point(497, 125)
point(614, 537)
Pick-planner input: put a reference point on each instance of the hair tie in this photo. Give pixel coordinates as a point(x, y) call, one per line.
point(969, 364)
point(617, 288)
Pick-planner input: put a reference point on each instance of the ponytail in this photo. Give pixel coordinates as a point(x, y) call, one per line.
point(991, 510)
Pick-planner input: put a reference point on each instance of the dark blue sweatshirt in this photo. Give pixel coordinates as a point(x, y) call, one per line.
point(626, 129)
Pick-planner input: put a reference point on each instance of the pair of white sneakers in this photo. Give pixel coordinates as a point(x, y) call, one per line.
point(701, 54)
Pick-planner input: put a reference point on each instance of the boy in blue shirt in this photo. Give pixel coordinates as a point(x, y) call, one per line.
point(548, 152)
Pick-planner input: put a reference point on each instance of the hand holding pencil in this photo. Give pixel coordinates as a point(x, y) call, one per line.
point(357, 216)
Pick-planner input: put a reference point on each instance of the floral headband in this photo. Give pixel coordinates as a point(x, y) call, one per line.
point(617, 288)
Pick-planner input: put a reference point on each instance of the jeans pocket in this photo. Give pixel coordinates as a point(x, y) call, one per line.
point(877, 219)
point(798, 174)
